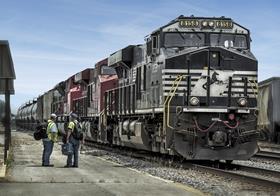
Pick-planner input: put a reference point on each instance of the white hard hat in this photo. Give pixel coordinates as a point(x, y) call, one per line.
point(73, 115)
point(53, 115)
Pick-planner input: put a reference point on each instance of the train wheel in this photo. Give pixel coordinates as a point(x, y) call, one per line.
point(216, 164)
point(228, 162)
point(277, 137)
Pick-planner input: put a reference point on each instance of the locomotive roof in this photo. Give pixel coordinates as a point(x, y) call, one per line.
point(198, 18)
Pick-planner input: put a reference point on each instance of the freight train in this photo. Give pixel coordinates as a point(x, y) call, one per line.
point(189, 90)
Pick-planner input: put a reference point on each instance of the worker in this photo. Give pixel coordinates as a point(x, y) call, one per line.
point(48, 142)
point(74, 136)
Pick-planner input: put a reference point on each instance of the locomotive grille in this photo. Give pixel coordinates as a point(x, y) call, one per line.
point(238, 86)
point(169, 76)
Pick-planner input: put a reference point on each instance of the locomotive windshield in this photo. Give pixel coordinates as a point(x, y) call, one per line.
point(184, 39)
point(228, 40)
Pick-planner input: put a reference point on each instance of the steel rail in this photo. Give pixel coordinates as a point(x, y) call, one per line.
point(258, 170)
point(244, 178)
point(268, 155)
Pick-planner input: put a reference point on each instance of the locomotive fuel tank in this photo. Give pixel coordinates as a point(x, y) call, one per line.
point(133, 134)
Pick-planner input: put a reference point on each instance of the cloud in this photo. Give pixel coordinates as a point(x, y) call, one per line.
point(47, 56)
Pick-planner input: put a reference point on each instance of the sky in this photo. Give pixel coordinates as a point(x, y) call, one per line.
point(51, 40)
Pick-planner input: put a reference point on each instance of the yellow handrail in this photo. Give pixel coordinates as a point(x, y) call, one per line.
point(167, 101)
point(174, 82)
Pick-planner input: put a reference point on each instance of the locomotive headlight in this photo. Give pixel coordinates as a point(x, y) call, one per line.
point(242, 102)
point(204, 23)
point(211, 24)
point(194, 101)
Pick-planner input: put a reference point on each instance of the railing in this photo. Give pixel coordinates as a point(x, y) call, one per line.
point(174, 87)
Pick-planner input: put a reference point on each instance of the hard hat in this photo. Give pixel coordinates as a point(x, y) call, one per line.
point(73, 115)
point(53, 115)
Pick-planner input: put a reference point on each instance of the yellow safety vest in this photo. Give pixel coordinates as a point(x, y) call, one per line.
point(71, 126)
point(52, 136)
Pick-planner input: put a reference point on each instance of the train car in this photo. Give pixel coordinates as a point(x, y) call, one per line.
point(103, 79)
point(36, 111)
point(32, 115)
point(72, 92)
point(59, 99)
point(24, 115)
point(94, 89)
point(80, 102)
point(20, 116)
point(190, 90)
point(269, 109)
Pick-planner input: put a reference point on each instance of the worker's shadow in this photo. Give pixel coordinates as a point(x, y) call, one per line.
point(34, 165)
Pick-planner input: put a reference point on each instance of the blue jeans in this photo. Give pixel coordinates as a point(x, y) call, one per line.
point(48, 148)
point(76, 145)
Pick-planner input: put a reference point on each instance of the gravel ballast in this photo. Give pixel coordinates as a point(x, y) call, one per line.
point(206, 182)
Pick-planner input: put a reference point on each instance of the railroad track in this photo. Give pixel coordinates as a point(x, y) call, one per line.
point(256, 180)
point(269, 145)
point(268, 155)
point(262, 171)
point(246, 174)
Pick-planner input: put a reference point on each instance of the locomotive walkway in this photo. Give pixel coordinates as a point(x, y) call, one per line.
point(95, 176)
